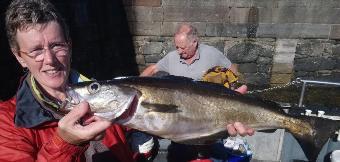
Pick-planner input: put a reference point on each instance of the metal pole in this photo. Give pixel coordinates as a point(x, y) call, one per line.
point(320, 82)
point(311, 81)
point(302, 94)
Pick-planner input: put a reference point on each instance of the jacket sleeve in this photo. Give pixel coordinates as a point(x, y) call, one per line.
point(43, 144)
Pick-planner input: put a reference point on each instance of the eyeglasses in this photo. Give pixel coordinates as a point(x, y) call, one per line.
point(58, 49)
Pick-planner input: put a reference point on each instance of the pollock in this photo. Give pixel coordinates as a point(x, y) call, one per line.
point(192, 112)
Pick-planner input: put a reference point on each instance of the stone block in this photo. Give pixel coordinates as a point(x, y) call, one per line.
point(210, 3)
point(169, 28)
point(264, 60)
point(239, 16)
point(337, 65)
point(280, 78)
point(217, 43)
point(293, 3)
point(226, 30)
point(259, 79)
point(186, 3)
point(195, 3)
point(332, 3)
point(142, 13)
point(335, 32)
point(245, 52)
point(140, 60)
point(293, 30)
point(240, 3)
point(194, 14)
point(307, 64)
point(336, 51)
point(153, 48)
point(286, 45)
point(145, 28)
point(264, 68)
point(155, 3)
point(247, 68)
point(336, 76)
point(310, 48)
point(327, 64)
point(282, 68)
point(324, 73)
point(315, 31)
point(316, 15)
point(266, 3)
point(284, 58)
point(152, 58)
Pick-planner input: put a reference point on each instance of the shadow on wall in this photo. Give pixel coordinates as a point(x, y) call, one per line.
point(10, 70)
point(102, 43)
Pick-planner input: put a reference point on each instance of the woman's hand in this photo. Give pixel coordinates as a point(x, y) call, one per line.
point(71, 130)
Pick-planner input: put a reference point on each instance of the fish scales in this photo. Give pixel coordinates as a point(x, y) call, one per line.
point(192, 112)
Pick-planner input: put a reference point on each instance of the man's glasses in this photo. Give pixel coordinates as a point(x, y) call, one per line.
point(58, 49)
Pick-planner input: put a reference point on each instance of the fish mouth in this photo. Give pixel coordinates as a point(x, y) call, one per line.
point(128, 113)
point(72, 99)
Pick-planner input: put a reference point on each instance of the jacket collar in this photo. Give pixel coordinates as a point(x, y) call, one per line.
point(33, 108)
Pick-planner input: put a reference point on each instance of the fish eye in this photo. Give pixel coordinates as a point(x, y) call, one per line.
point(93, 87)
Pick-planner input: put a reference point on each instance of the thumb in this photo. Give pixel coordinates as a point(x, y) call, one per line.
point(77, 112)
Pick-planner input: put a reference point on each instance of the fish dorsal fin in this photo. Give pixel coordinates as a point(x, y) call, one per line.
point(180, 78)
point(164, 108)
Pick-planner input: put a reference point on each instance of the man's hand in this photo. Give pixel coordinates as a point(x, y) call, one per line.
point(71, 130)
point(238, 128)
point(242, 89)
point(149, 71)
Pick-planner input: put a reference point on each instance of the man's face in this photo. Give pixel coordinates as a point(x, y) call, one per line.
point(51, 68)
point(185, 47)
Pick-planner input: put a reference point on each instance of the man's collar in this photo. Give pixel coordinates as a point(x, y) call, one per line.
point(196, 56)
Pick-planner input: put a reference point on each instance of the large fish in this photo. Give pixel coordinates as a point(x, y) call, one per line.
point(192, 112)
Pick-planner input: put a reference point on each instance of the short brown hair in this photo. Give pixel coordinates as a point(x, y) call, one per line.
point(22, 14)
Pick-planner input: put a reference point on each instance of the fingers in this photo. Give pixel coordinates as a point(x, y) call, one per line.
point(97, 125)
point(240, 129)
point(250, 131)
point(71, 131)
point(231, 130)
point(78, 111)
point(242, 89)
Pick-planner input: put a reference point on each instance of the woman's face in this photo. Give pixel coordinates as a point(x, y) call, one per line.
point(51, 67)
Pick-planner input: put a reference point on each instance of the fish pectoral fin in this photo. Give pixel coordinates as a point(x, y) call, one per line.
point(156, 107)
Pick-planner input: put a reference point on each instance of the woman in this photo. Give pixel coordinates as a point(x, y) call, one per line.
point(29, 128)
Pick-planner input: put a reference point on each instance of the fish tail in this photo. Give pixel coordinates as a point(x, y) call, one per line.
point(312, 143)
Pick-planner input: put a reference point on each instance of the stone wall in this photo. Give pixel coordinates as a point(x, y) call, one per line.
point(272, 41)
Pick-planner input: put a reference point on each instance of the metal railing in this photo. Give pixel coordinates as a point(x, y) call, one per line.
point(305, 82)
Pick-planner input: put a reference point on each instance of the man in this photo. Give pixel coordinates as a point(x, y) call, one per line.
point(192, 59)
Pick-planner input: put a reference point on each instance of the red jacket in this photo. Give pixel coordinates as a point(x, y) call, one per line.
point(41, 143)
